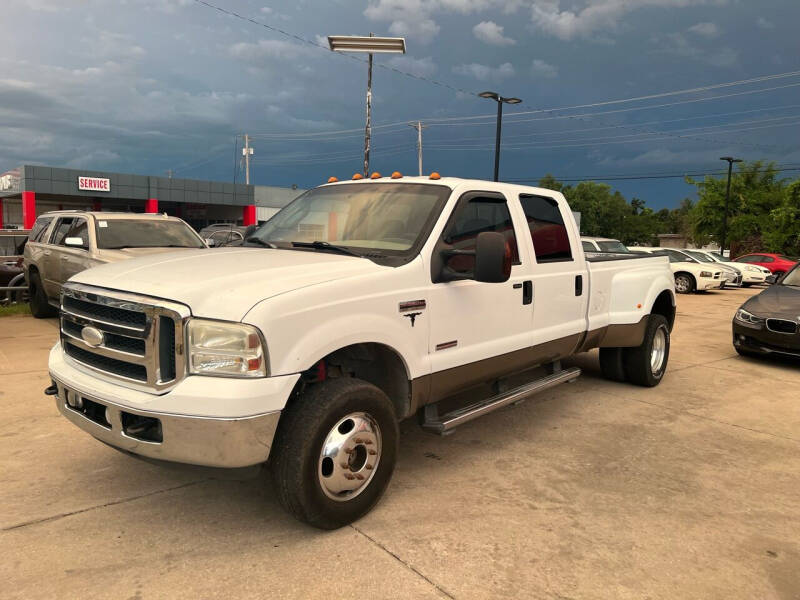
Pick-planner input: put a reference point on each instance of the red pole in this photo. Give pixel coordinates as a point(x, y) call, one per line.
point(28, 209)
point(151, 205)
point(249, 215)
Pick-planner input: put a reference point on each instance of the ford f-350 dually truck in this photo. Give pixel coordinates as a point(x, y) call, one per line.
point(360, 304)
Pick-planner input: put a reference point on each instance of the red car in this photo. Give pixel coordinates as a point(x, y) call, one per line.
point(777, 263)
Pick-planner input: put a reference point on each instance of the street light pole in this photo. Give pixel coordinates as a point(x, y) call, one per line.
point(500, 101)
point(370, 45)
point(730, 160)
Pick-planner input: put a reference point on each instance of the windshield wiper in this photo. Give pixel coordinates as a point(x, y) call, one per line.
point(318, 245)
point(260, 242)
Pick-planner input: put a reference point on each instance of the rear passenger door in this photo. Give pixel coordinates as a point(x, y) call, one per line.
point(50, 264)
point(74, 259)
point(560, 278)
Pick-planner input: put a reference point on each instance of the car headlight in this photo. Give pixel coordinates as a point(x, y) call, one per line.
point(748, 318)
point(706, 274)
point(752, 268)
point(226, 349)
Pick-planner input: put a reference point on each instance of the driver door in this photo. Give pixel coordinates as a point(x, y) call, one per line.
point(479, 331)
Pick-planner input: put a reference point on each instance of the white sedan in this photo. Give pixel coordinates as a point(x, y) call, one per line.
point(751, 274)
point(689, 276)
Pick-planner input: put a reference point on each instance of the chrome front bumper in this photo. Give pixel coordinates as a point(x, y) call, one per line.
point(208, 441)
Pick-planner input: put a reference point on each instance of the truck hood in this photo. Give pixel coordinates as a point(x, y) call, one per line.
point(126, 253)
point(224, 283)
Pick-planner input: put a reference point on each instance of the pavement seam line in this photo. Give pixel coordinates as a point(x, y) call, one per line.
point(112, 503)
point(717, 421)
point(407, 565)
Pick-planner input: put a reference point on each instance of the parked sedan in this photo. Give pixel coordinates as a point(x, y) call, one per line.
point(769, 323)
point(598, 244)
point(690, 276)
point(751, 274)
point(733, 274)
point(776, 263)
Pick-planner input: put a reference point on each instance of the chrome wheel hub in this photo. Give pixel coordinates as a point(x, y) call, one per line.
point(658, 351)
point(682, 284)
point(350, 456)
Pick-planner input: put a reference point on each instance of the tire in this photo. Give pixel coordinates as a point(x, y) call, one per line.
point(321, 415)
point(746, 353)
point(646, 364)
point(746, 285)
point(611, 364)
point(684, 283)
point(40, 307)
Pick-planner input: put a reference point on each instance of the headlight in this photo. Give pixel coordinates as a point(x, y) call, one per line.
point(752, 268)
point(748, 319)
point(229, 349)
point(706, 274)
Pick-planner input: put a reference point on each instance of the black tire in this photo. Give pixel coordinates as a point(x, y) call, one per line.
point(690, 286)
point(637, 360)
point(746, 353)
point(746, 285)
point(40, 307)
point(296, 461)
point(611, 364)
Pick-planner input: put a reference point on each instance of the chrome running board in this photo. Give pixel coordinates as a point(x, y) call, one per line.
point(446, 423)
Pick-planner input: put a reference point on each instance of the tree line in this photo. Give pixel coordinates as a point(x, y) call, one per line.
point(763, 213)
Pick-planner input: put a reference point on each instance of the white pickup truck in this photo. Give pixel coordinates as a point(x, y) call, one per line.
point(360, 304)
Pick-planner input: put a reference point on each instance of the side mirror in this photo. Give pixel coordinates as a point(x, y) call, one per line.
point(772, 279)
point(211, 242)
point(74, 242)
point(492, 260)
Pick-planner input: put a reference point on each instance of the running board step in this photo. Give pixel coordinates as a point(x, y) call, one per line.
point(443, 424)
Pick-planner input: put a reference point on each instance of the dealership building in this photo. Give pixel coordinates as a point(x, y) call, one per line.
point(31, 190)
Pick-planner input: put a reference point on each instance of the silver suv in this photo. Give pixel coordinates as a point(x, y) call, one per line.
point(63, 243)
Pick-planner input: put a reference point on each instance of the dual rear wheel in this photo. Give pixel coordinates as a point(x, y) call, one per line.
point(643, 365)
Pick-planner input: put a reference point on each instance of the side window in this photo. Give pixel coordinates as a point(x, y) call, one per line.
point(548, 231)
point(39, 228)
point(745, 259)
point(766, 259)
point(60, 232)
point(474, 215)
point(79, 229)
point(588, 246)
point(220, 237)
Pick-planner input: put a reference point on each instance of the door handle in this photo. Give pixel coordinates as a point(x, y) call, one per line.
point(64, 257)
point(527, 292)
point(578, 285)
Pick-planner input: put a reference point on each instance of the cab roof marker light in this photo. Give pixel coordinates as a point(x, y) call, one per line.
point(397, 175)
point(375, 175)
point(358, 176)
point(332, 179)
point(435, 175)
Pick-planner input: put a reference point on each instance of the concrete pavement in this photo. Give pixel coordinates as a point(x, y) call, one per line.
point(590, 490)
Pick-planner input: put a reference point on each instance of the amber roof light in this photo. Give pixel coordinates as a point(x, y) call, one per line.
point(332, 179)
point(375, 175)
point(435, 175)
point(358, 176)
point(397, 175)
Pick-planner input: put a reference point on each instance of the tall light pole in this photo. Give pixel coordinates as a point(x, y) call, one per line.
point(500, 101)
point(371, 45)
point(730, 160)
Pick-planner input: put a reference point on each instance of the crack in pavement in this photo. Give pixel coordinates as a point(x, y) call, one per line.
point(407, 565)
point(112, 503)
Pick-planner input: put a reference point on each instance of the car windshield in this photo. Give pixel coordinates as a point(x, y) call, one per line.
point(792, 278)
point(701, 256)
point(612, 246)
point(145, 233)
point(365, 218)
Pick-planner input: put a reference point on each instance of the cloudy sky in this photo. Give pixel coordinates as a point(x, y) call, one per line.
point(145, 86)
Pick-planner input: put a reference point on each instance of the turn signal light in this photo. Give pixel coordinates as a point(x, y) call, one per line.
point(358, 176)
point(397, 175)
point(435, 175)
point(332, 179)
point(375, 175)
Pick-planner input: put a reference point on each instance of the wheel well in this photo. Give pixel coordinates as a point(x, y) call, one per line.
point(663, 306)
point(375, 363)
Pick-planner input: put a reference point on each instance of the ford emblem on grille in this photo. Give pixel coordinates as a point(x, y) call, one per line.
point(92, 336)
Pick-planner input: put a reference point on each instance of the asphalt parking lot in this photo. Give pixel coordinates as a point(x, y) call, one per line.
point(590, 490)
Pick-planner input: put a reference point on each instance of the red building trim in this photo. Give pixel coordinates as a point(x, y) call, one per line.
point(151, 205)
point(28, 209)
point(249, 215)
point(97, 205)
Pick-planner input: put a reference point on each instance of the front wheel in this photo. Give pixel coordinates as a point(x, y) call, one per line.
point(334, 452)
point(646, 364)
point(684, 284)
point(746, 285)
point(40, 307)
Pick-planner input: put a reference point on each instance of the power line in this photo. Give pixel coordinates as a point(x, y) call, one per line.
point(632, 177)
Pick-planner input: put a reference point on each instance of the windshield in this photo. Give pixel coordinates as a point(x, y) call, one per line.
point(383, 218)
point(145, 233)
point(792, 277)
point(701, 256)
point(612, 246)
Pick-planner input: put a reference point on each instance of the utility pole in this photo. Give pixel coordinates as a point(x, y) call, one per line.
point(247, 151)
point(169, 173)
point(730, 160)
point(419, 127)
point(368, 130)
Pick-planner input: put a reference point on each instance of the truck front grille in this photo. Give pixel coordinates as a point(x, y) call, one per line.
point(124, 336)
